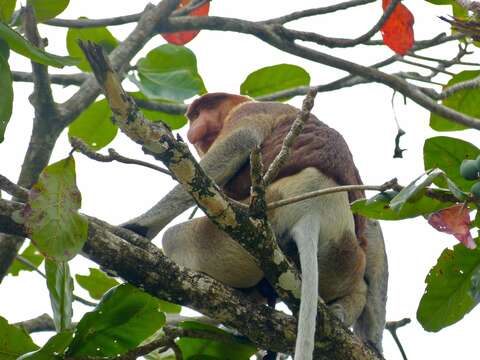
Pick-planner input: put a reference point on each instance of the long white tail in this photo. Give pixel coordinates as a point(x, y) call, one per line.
point(305, 233)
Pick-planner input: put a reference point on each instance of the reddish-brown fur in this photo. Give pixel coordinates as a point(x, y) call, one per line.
point(317, 146)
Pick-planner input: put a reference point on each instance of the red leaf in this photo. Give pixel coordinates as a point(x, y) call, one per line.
point(183, 37)
point(397, 31)
point(454, 220)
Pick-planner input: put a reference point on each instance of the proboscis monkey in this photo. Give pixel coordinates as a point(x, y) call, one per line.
point(320, 233)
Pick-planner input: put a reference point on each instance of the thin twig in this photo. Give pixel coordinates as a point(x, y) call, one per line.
point(13, 189)
point(436, 69)
point(317, 11)
point(118, 20)
point(32, 266)
point(440, 61)
point(295, 130)
point(339, 42)
point(392, 327)
point(465, 85)
point(276, 204)
point(83, 148)
point(41, 323)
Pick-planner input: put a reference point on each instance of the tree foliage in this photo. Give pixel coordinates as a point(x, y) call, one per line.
point(131, 320)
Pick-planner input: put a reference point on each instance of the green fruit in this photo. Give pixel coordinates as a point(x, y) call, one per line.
point(469, 169)
point(476, 189)
point(478, 161)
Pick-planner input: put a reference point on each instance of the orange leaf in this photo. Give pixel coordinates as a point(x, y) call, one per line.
point(397, 31)
point(183, 37)
point(454, 220)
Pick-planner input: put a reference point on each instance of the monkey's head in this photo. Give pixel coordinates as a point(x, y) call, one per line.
point(207, 115)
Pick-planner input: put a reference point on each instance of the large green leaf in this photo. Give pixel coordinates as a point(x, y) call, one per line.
point(101, 36)
point(14, 341)
point(32, 255)
point(94, 125)
point(6, 97)
point(447, 153)
point(6, 9)
point(60, 288)
point(172, 120)
point(272, 79)
point(48, 9)
point(169, 72)
point(51, 214)
point(124, 318)
point(453, 288)
point(464, 101)
point(18, 44)
point(194, 348)
point(378, 207)
point(53, 349)
point(97, 283)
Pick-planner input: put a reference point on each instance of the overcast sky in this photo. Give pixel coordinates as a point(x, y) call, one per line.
point(362, 114)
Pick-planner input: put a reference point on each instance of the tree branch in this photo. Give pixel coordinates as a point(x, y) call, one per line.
point(317, 11)
point(83, 148)
point(158, 141)
point(161, 277)
point(339, 42)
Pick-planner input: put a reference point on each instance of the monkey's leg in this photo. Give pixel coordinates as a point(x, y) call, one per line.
point(349, 307)
point(199, 245)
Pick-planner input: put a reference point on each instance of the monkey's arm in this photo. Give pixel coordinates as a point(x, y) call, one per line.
point(221, 162)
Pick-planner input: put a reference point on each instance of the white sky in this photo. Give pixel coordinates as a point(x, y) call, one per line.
point(363, 115)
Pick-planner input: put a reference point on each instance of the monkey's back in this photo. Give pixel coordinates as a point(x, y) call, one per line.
point(317, 146)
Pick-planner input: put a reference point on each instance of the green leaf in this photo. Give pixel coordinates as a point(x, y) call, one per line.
point(173, 121)
point(101, 36)
point(447, 153)
point(21, 46)
point(51, 214)
point(194, 348)
point(6, 9)
point(48, 9)
point(94, 125)
point(453, 288)
point(4, 49)
point(31, 254)
point(60, 287)
point(169, 307)
point(14, 341)
point(53, 349)
point(415, 189)
point(169, 72)
point(464, 101)
point(378, 207)
point(97, 283)
point(124, 318)
point(6, 98)
point(272, 79)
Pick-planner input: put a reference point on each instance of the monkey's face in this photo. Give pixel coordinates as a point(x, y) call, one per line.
point(204, 129)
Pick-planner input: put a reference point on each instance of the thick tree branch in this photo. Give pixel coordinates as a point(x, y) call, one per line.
point(159, 276)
